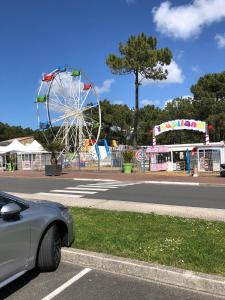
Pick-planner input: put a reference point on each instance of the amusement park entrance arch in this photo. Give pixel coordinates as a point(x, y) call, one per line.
point(181, 124)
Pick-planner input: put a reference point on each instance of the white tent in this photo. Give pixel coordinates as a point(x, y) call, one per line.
point(35, 147)
point(15, 146)
point(2, 150)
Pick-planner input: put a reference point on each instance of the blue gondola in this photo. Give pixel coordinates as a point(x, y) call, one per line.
point(43, 125)
point(62, 69)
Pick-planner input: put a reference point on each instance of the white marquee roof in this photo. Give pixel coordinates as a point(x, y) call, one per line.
point(15, 146)
point(34, 147)
point(18, 147)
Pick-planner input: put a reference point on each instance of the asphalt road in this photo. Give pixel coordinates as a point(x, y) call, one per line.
point(194, 196)
point(93, 285)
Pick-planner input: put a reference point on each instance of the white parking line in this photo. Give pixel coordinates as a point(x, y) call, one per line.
point(73, 192)
point(66, 284)
point(86, 188)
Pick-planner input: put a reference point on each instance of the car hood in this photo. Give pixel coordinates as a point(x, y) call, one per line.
point(49, 204)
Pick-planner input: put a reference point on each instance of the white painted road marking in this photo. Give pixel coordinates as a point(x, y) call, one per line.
point(173, 183)
point(90, 179)
point(86, 188)
point(60, 289)
point(101, 186)
point(59, 195)
point(113, 185)
point(73, 192)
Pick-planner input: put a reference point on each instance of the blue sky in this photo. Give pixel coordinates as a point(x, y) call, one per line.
point(38, 36)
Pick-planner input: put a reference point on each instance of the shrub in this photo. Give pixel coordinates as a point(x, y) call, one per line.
point(128, 156)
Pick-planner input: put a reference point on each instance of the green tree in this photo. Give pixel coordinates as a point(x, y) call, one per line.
point(139, 56)
point(9, 132)
point(122, 117)
point(117, 121)
point(210, 86)
point(209, 102)
point(149, 117)
point(180, 108)
point(54, 147)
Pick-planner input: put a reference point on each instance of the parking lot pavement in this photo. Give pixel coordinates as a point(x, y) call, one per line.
point(35, 286)
point(76, 282)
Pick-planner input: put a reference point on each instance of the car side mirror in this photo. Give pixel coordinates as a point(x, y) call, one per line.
point(10, 211)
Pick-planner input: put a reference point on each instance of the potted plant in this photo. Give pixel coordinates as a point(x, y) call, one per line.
point(127, 161)
point(54, 148)
point(12, 162)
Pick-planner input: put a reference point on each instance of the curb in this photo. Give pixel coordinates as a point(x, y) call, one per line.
point(200, 282)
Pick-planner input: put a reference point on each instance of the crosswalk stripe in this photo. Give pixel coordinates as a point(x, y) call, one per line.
point(73, 192)
point(108, 183)
point(60, 195)
point(110, 186)
point(91, 179)
point(100, 186)
point(86, 188)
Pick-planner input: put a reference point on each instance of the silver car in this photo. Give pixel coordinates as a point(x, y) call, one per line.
point(31, 235)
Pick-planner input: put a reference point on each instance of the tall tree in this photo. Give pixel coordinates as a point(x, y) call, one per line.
point(139, 56)
point(210, 86)
point(149, 116)
point(209, 102)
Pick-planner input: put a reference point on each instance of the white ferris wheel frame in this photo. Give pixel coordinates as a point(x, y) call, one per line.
point(71, 109)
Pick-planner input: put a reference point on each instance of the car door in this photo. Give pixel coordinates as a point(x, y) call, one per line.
point(14, 242)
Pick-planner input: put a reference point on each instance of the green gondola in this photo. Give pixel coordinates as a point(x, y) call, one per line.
point(75, 73)
point(41, 99)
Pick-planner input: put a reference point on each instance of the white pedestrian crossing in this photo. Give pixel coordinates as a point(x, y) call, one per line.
point(86, 188)
point(100, 186)
point(59, 195)
point(83, 190)
point(91, 179)
point(112, 185)
point(74, 192)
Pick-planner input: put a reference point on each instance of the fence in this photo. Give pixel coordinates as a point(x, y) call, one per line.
point(206, 161)
point(141, 161)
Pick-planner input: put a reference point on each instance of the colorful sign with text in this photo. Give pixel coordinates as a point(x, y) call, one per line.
point(180, 125)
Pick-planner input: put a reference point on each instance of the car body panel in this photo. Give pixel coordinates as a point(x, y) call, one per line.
point(20, 239)
point(15, 246)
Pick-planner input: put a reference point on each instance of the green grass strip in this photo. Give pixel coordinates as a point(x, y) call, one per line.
point(192, 244)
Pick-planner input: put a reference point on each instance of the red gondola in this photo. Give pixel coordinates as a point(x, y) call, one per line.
point(48, 77)
point(87, 87)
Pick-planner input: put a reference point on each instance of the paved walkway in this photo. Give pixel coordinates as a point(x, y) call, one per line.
point(118, 175)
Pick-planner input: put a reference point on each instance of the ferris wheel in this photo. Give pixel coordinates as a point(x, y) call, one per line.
point(68, 106)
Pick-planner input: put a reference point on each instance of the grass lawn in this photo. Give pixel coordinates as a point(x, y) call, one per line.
point(184, 243)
